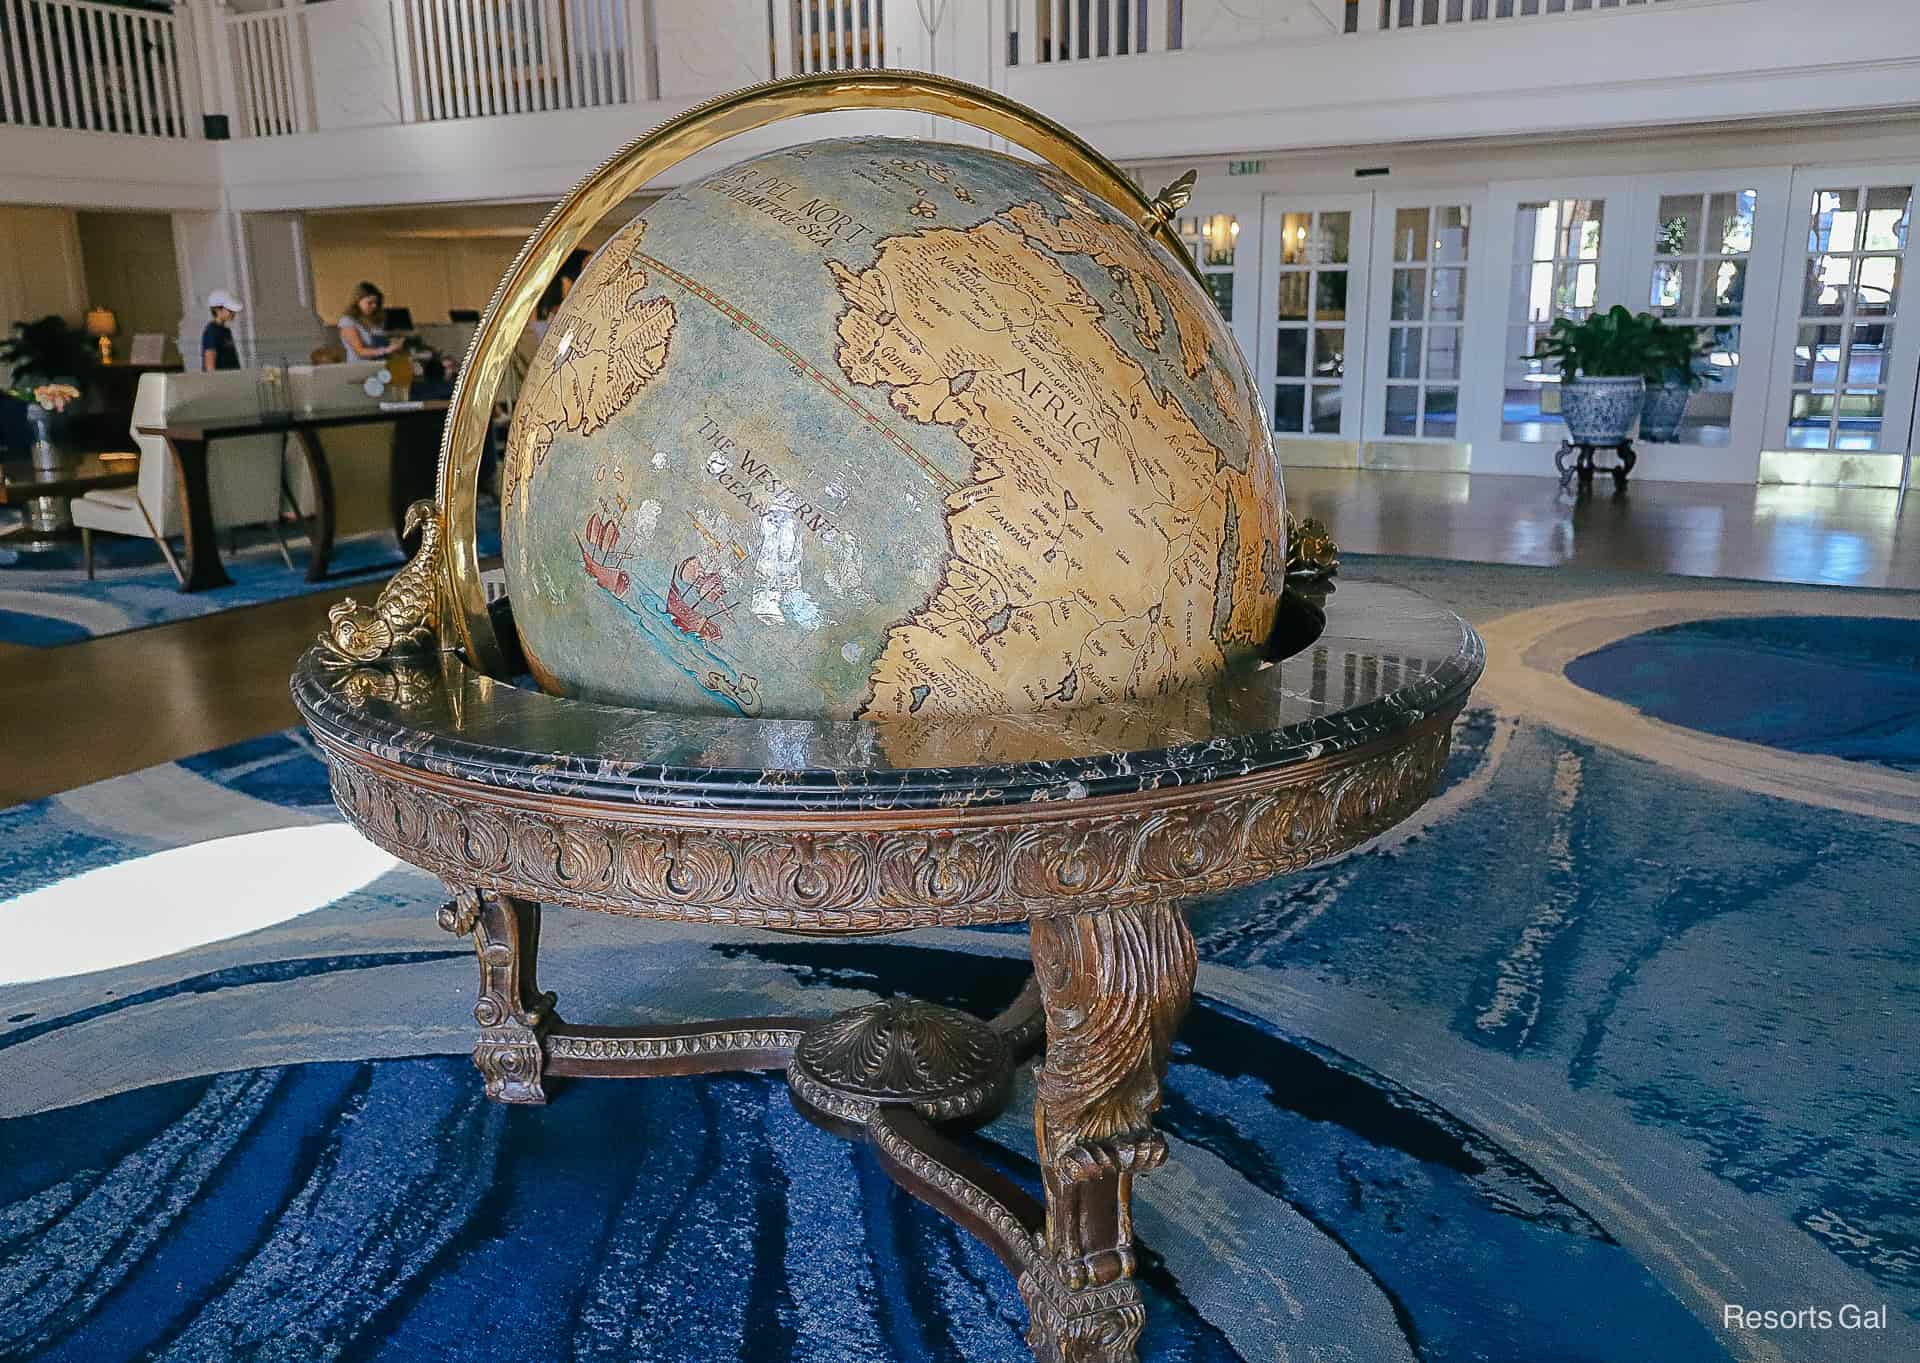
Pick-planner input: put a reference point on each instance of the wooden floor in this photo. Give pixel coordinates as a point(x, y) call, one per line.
point(86, 711)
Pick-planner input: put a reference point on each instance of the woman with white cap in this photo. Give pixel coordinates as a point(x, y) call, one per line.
point(217, 350)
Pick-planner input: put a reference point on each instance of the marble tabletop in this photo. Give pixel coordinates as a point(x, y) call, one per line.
point(1386, 659)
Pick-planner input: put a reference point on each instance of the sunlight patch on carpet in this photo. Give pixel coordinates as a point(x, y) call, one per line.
point(180, 898)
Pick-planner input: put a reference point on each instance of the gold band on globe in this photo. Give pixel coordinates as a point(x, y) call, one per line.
point(625, 173)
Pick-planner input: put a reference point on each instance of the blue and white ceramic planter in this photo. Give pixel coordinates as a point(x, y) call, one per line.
point(1601, 411)
point(1662, 411)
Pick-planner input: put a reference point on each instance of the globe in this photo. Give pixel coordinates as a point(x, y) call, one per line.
point(876, 428)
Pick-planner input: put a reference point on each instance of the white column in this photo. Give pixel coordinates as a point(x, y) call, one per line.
point(206, 253)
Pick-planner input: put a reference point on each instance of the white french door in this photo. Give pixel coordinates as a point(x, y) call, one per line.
point(1311, 321)
point(1849, 330)
point(1419, 327)
point(1701, 247)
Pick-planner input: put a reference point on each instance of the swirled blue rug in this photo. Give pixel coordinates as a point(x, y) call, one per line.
point(1845, 687)
point(1588, 1052)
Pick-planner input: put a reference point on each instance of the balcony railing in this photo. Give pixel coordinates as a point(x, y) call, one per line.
point(476, 58)
point(1395, 14)
point(1077, 30)
point(96, 68)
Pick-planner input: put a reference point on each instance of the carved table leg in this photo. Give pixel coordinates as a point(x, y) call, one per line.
point(1114, 985)
point(512, 1012)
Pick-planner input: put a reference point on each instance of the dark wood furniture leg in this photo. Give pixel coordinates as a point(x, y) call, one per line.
point(204, 569)
point(1114, 985)
point(513, 1014)
point(413, 467)
point(323, 497)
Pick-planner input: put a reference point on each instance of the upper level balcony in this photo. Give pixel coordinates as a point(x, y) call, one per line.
point(353, 102)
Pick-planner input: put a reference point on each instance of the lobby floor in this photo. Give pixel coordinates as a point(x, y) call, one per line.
point(1841, 537)
point(86, 711)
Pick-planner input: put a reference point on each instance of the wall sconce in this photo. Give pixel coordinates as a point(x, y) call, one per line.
point(101, 324)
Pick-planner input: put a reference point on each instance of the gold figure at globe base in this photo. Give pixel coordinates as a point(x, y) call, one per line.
point(404, 618)
point(520, 798)
point(373, 652)
point(1312, 556)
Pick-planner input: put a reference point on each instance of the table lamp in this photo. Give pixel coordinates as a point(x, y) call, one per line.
point(101, 324)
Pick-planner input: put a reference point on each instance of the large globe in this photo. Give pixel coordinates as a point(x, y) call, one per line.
point(872, 428)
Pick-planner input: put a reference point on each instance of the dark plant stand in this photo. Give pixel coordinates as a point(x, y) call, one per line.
point(1574, 459)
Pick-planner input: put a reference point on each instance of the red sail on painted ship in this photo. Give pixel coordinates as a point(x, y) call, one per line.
point(694, 600)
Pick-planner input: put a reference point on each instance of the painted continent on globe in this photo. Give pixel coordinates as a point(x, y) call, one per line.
point(875, 428)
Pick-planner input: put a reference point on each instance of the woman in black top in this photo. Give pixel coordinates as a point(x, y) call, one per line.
point(217, 350)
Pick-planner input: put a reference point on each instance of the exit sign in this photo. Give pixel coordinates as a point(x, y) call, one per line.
point(1245, 167)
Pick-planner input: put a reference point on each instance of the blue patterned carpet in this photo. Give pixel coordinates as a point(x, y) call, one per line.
point(1808, 684)
point(1589, 1050)
point(46, 599)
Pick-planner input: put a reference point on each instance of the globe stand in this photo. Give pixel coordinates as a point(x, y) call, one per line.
point(1095, 828)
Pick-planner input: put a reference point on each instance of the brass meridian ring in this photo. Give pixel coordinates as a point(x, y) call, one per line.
point(640, 161)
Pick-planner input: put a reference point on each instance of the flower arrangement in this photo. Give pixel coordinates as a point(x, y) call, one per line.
point(53, 397)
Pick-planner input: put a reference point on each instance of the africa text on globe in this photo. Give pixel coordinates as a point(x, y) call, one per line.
point(872, 428)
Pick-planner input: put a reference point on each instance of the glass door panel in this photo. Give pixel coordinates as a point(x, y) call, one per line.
point(1848, 297)
point(1421, 252)
point(1702, 252)
point(1556, 274)
point(1313, 314)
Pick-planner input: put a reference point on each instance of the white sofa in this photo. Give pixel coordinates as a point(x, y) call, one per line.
point(250, 479)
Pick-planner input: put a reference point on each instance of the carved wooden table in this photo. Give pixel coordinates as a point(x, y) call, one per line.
point(1094, 826)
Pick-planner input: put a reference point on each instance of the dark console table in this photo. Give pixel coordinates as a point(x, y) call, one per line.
point(418, 430)
point(1095, 826)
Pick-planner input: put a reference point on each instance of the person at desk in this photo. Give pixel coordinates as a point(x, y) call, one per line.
point(362, 325)
point(217, 350)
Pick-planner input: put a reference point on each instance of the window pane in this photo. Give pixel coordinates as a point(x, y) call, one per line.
point(1730, 223)
point(1450, 232)
point(1816, 358)
point(1329, 352)
point(1443, 353)
point(1290, 353)
point(1220, 285)
point(1442, 412)
point(1860, 417)
point(1403, 353)
point(1409, 294)
point(1448, 296)
point(1335, 229)
point(1679, 230)
point(1583, 227)
point(1888, 211)
point(1289, 407)
point(1829, 280)
point(1879, 278)
point(1867, 356)
point(1836, 220)
point(1668, 297)
point(1403, 410)
point(1330, 295)
point(1326, 409)
point(1726, 289)
point(1218, 236)
point(1580, 289)
point(1293, 296)
point(1410, 234)
point(1293, 238)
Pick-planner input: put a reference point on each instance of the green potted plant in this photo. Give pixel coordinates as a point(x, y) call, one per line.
point(48, 362)
point(1672, 375)
point(1603, 372)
